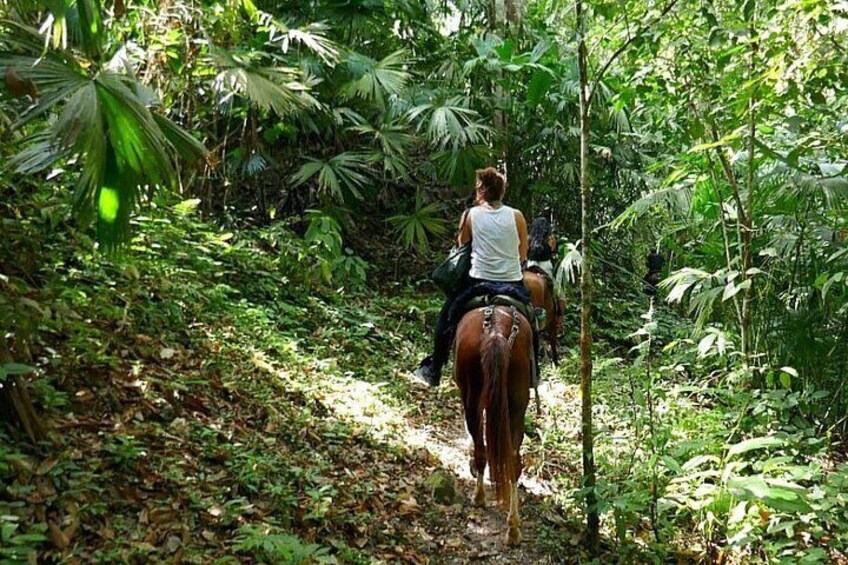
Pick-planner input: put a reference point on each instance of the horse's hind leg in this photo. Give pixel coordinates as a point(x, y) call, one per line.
point(478, 460)
point(518, 401)
point(513, 532)
point(552, 342)
point(480, 491)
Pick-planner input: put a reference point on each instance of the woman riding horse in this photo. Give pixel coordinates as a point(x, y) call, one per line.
point(498, 236)
point(494, 345)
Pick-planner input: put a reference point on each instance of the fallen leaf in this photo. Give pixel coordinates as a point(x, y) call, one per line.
point(47, 465)
point(57, 536)
point(409, 506)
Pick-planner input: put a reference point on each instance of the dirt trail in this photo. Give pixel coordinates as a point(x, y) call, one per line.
point(463, 533)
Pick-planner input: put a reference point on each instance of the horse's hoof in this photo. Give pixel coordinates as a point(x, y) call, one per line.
point(480, 500)
point(513, 537)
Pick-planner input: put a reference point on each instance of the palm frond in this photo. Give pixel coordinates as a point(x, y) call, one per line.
point(55, 80)
point(570, 267)
point(832, 190)
point(458, 166)
point(676, 198)
point(123, 147)
point(39, 153)
point(375, 81)
point(392, 143)
point(416, 229)
point(186, 145)
point(704, 289)
point(449, 123)
point(273, 88)
point(312, 36)
point(337, 176)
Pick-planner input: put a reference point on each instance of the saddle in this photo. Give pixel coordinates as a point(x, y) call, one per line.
point(484, 300)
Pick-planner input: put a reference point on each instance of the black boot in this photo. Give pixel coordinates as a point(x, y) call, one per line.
point(427, 373)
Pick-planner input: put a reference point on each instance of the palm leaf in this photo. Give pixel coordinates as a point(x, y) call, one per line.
point(676, 198)
point(392, 143)
point(337, 176)
point(458, 166)
point(124, 149)
point(56, 81)
point(416, 229)
point(268, 87)
point(312, 36)
point(449, 123)
point(375, 81)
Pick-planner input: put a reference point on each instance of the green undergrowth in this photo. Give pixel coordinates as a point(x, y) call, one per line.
point(239, 397)
point(692, 464)
point(191, 386)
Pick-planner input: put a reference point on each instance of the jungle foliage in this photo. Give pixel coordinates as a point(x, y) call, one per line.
point(179, 173)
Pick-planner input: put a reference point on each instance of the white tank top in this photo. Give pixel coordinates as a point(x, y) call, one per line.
point(494, 244)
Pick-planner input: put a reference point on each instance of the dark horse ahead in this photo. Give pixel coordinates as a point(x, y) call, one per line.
point(493, 352)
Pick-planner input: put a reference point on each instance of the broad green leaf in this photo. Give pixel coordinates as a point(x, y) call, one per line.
point(754, 444)
point(748, 488)
point(539, 84)
point(12, 369)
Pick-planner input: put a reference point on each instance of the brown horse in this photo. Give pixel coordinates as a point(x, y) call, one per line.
point(542, 296)
point(492, 370)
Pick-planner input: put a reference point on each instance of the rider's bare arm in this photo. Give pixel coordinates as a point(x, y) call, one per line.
point(464, 229)
point(521, 224)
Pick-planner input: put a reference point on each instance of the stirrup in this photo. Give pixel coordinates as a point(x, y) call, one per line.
point(541, 318)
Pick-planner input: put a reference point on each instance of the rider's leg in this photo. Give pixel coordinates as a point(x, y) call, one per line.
point(441, 343)
point(430, 369)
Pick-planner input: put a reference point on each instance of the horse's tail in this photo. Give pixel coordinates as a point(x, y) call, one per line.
point(495, 355)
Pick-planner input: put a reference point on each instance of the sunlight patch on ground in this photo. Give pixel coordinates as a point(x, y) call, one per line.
point(368, 405)
point(447, 441)
point(438, 427)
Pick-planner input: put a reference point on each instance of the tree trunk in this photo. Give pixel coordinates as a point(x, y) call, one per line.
point(748, 227)
point(15, 404)
point(592, 519)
